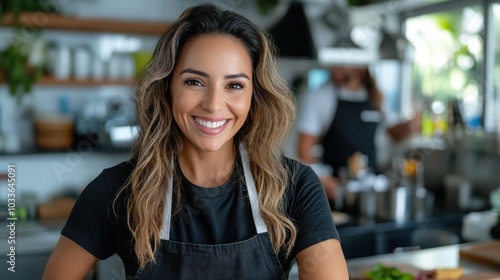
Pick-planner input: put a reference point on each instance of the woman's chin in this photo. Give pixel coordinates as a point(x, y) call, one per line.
point(211, 147)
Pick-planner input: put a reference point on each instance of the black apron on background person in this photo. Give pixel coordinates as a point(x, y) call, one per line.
point(352, 130)
point(254, 258)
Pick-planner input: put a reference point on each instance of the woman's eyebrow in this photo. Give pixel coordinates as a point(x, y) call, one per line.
point(204, 74)
point(239, 75)
point(196, 72)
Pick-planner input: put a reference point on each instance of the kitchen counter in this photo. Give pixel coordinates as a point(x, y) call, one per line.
point(34, 242)
point(32, 237)
point(426, 259)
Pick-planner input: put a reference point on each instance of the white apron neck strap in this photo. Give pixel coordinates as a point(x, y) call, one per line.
point(167, 212)
point(260, 225)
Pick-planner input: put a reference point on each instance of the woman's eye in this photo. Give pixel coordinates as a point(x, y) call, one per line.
point(235, 86)
point(192, 82)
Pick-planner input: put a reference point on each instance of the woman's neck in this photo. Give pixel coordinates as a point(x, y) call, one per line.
point(207, 169)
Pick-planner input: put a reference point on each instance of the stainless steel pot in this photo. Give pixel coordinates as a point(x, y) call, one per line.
point(404, 200)
point(396, 203)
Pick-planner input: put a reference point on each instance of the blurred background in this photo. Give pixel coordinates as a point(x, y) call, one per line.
point(67, 72)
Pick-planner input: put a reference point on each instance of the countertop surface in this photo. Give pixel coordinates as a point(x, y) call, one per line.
point(426, 259)
point(31, 236)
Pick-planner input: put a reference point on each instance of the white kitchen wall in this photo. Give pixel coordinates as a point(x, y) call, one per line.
point(46, 175)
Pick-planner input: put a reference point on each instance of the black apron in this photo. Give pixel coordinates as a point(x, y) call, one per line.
point(254, 258)
point(353, 129)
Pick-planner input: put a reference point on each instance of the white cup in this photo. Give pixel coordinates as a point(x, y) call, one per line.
point(62, 62)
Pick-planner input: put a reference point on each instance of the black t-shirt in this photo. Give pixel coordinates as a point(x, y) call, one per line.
point(208, 215)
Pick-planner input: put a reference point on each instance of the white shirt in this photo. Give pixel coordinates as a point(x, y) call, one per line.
point(317, 108)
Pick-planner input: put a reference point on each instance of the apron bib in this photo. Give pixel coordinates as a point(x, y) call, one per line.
point(253, 258)
point(350, 133)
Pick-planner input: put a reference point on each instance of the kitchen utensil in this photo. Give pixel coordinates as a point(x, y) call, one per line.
point(458, 192)
point(396, 203)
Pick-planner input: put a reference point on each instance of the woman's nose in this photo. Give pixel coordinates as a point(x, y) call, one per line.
point(213, 100)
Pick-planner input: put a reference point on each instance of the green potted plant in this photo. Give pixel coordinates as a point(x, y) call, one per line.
point(16, 71)
point(14, 67)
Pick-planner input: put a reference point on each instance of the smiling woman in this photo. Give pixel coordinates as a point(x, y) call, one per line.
point(208, 192)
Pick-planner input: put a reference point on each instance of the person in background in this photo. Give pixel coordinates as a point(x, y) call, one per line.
point(342, 117)
point(208, 192)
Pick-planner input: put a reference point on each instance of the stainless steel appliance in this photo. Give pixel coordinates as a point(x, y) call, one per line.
point(107, 122)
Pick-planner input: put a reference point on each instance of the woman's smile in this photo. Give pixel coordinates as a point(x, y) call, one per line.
point(211, 126)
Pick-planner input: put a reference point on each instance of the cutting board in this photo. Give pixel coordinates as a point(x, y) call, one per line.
point(481, 276)
point(486, 253)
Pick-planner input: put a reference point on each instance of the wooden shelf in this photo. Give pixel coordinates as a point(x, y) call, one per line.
point(51, 81)
point(61, 22)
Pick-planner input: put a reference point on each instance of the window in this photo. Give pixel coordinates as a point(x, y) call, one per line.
point(494, 113)
point(448, 59)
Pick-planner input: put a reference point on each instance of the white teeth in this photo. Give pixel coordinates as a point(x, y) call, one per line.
point(210, 124)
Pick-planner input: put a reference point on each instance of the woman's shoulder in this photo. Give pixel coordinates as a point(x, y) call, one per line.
point(303, 182)
point(103, 189)
point(117, 175)
point(297, 170)
point(122, 168)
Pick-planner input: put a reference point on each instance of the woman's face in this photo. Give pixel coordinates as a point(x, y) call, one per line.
point(211, 89)
point(348, 77)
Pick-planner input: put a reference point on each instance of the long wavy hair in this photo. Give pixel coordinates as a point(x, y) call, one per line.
point(159, 139)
